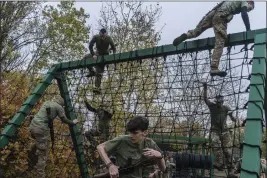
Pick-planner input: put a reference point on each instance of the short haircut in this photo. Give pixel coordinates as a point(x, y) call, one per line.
point(138, 123)
point(103, 30)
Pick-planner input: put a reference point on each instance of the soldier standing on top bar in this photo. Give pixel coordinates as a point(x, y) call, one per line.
point(102, 41)
point(218, 18)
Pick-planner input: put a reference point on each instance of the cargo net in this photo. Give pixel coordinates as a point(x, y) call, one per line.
point(167, 90)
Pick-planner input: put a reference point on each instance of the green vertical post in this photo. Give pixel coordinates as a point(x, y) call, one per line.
point(253, 133)
point(212, 161)
point(196, 151)
point(76, 137)
point(203, 148)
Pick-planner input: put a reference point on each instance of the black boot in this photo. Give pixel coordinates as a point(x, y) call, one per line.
point(218, 166)
point(179, 39)
point(91, 72)
point(217, 72)
point(32, 157)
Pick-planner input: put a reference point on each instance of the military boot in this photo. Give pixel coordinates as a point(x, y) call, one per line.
point(219, 167)
point(231, 174)
point(179, 39)
point(91, 73)
point(32, 156)
point(216, 71)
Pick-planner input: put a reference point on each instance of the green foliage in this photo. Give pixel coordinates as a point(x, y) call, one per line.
point(16, 22)
point(32, 38)
point(66, 32)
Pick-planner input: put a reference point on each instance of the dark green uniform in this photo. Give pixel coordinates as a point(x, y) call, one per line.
point(102, 46)
point(104, 116)
point(124, 148)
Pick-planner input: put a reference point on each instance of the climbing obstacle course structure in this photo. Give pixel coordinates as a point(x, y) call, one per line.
point(164, 84)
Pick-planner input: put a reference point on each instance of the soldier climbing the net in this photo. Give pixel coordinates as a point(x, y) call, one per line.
point(104, 115)
point(220, 135)
point(39, 129)
point(102, 41)
point(131, 150)
point(218, 18)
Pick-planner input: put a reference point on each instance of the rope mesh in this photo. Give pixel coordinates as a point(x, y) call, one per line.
point(167, 90)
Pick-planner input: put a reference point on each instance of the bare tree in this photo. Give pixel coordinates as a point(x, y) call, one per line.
point(132, 27)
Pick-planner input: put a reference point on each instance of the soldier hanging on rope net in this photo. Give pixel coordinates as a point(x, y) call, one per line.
point(220, 136)
point(39, 129)
point(131, 150)
point(218, 18)
point(102, 41)
point(104, 114)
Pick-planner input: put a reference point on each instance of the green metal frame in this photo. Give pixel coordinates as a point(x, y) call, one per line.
point(190, 46)
point(185, 47)
point(17, 120)
point(172, 139)
point(74, 131)
point(253, 133)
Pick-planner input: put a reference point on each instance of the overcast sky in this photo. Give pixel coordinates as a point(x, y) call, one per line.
point(179, 17)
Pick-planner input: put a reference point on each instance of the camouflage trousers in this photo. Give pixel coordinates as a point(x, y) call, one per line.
point(217, 20)
point(221, 145)
point(98, 70)
point(41, 146)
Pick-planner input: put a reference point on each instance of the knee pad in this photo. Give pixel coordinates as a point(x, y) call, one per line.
point(229, 18)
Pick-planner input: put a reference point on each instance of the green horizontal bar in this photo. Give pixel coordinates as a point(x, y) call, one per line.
point(173, 138)
point(185, 47)
point(177, 142)
point(17, 120)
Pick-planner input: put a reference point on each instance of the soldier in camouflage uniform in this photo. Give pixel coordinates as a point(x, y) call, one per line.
point(102, 42)
point(130, 149)
point(220, 135)
point(40, 131)
point(218, 18)
point(104, 113)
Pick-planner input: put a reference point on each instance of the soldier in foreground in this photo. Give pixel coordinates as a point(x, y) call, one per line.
point(102, 41)
point(130, 149)
point(39, 129)
point(218, 18)
point(221, 139)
